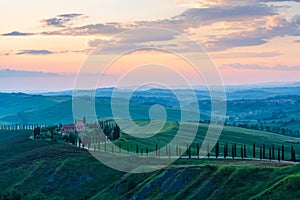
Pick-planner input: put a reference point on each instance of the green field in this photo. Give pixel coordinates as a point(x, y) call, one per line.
point(55, 110)
point(50, 170)
point(230, 136)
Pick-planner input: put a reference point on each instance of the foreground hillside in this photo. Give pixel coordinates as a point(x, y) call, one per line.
point(209, 181)
point(45, 170)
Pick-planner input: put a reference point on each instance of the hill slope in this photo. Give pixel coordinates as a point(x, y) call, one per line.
point(40, 169)
point(208, 182)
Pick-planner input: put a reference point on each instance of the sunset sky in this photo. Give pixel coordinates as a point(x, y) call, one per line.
point(44, 43)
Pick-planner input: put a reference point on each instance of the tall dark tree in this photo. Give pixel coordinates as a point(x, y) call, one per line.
point(227, 149)
point(242, 152)
point(36, 131)
point(282, 152)
point(235, 153)
point(187, 150)
point(292, 154)
point(116, 132)
point(254, 151)
point(260, 153)
point(79, 142)
point(208, 150)
point(198, 150)
point(217, 150)
point(52, 129)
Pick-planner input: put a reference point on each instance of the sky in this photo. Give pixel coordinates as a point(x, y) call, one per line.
point(44, 44)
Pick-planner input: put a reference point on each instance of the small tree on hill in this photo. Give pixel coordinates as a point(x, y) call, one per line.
point(282, 152)
point(264, 151)
point(36, 131)
point(116, 132)
point(217, 150)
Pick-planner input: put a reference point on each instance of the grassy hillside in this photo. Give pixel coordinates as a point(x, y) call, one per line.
point(61, 112)
point(15, 106)
point(278, 114)
point(36, 169)
point(230, 135)
point(46, 170)
point(208, 182)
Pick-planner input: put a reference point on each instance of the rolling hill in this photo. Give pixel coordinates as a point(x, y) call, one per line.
point(229, 135)
point(48, 170)
point(51, 110)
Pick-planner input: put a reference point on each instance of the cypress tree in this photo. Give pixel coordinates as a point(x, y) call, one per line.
point(198, 150)
point(264, 151)
point(217, 150)
point(254, 151)
point(242, 152)
point(147, 151)
point(208, 151)
point(52, 133)
point(260, 153)
point(180, 151)
point(226, 149)
point(245, 151)
point(234, 149)
point(273, 152)
point(278, 154)
point(79, 141)
point(292, 153)
point(282, 152)
point(187, 150)
point(167, 150)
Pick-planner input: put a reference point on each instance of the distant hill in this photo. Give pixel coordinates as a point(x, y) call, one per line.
point(51, 110)
point(232, 92)
point(16, 103)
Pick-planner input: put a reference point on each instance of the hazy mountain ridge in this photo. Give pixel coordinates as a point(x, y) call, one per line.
point(234, 92)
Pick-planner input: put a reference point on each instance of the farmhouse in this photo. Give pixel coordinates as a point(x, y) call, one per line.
point(79, 127)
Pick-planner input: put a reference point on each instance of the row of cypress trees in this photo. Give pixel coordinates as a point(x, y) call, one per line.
point(263, 154)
